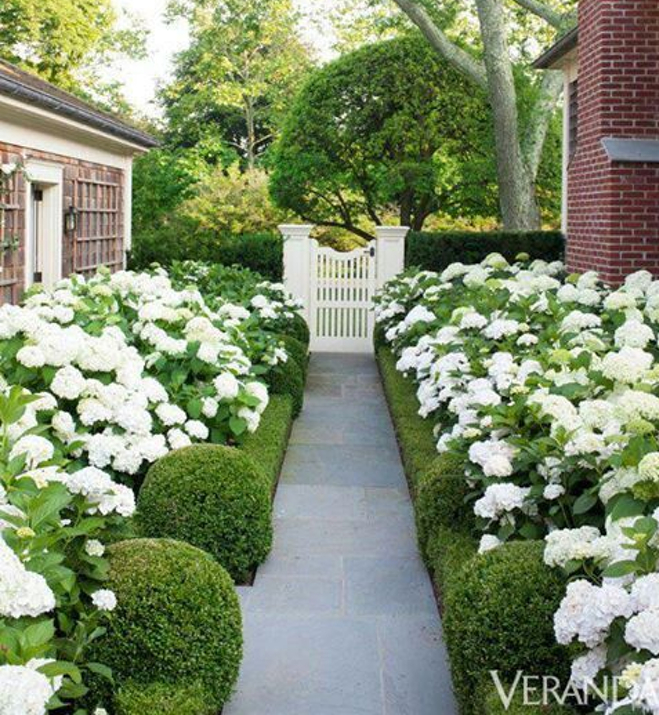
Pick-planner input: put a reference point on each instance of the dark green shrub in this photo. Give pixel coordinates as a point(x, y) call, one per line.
point(436, 251)
point(440, 498)
point(298, 329)
point(415, 435)
point(267, 446)
point(263, 253)
point(177, 622)
point(287, 379)
point(499, 614)
point(163, 699)
point(493, 705)
point(297, 350)
point(379, 340)
point(214, 497)
point(447, 552)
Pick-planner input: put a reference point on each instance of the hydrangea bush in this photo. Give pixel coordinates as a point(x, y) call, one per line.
point(54, 520)
point(134, 367)
point(99, 378)
point(547, 386)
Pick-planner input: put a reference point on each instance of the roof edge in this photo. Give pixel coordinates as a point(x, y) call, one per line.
point(557, 52)
point(75, 110)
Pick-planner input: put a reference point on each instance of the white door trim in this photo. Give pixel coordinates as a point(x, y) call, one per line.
point(51, 178)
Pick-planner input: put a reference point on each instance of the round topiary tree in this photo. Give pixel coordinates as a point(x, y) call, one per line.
point(177, 623)
point(214, 497)
point(287, 379)
point(499, 615)
point(390, 126)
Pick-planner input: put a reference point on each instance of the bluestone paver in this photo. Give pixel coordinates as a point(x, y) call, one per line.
point(341, 619)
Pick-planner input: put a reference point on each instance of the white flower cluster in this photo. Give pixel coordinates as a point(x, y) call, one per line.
point(548, 388)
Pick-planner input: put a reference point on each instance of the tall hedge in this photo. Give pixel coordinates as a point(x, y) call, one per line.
point(436, 251)
point(261, 252)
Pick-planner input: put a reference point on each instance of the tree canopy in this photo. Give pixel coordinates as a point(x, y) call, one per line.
point(388, 128)
point(65, 41)
point(488, 42)
point(235, 79)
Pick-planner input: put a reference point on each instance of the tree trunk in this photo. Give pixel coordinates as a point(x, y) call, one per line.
point(250, 121)
point(519, 206)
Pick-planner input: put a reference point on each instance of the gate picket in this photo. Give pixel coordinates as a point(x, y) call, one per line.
point(342, 287)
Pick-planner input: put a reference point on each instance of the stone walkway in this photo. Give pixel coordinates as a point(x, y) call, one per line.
point(341, 619)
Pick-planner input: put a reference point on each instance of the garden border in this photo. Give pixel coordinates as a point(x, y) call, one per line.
point(448, 552)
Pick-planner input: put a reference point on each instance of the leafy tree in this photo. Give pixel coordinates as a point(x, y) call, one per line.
point(230, 201)
point(66, 41)
point(244, 62)
point(389, 126)
point(482, 40)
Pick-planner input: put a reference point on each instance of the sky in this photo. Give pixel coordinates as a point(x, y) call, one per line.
point(141, 78)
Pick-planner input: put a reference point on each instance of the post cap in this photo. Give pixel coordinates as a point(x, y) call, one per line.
point(301, 230)
point(392, 231)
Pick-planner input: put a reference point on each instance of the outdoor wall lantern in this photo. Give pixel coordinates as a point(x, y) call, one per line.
point(71, 220)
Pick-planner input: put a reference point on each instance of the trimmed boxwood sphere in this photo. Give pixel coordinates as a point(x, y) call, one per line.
point(499, 615)
point(441, 499)
point(296, 350)
point(214, 497)
point(297, 328)
point(177, 621)
point(287, 379)
point(135, 698)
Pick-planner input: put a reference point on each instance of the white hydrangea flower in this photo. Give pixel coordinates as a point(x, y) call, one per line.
point(104, 600)
point(36, 449)
point(500, 499)
point(22, 592)
point(642, 632)
point(488, 542)
point(587, 612)
point(226, 386)
point(23, 691)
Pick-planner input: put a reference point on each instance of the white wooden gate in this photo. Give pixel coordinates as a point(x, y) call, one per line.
point(341, 307)
point(338, 288)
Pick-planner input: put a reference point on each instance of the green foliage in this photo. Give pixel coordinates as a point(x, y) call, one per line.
point(177, 622)
point(436, 251)
point(163, 699)
point(493, 705)
point(448, 551)
point(267, 446)
point(214, 497)
point(415, 435)
point(288, 379)
point(236, 78)
point(263, 253)
point(499, 616)
point(297, 350)
point(65, 41)
point(389, 126)
point(232, 202)
point(441, 495)
point(298, 329)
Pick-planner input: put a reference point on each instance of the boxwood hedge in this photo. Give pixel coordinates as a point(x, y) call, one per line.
point(177, 623)
point(436, 251)
point(214, 497)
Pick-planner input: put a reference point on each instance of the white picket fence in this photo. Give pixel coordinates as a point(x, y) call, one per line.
point(338, 288)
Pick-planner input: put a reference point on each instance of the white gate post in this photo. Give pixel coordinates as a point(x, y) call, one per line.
point(390, 252)
point(297, 257)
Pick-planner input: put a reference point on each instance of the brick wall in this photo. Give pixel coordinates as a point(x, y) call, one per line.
point(613, 208)
point(95, 190)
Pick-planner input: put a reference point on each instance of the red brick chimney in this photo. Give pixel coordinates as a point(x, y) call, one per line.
point(613, 178)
